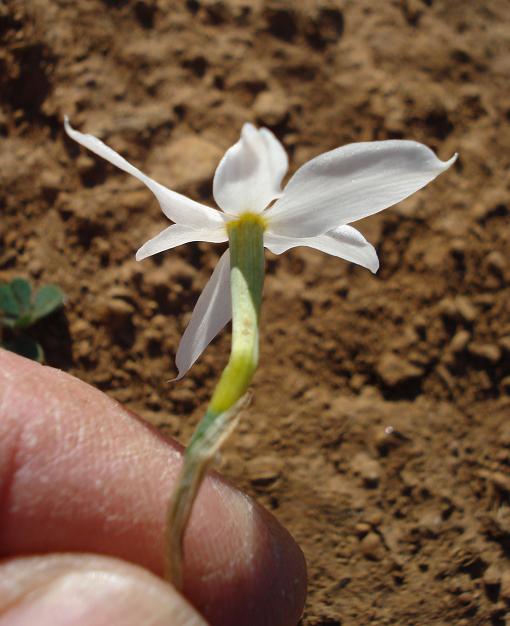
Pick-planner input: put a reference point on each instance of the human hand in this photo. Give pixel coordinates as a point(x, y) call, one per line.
point(84, 486)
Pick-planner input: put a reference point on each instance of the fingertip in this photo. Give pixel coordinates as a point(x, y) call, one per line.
point(87, 590)
point(259, 571)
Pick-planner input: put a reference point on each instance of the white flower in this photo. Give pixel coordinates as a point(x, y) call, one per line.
point(314, 209)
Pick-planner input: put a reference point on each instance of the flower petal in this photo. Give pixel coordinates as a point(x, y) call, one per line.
point(211, 313)
point(345, 242)
point(177, 234)
point(250, 174)
point(174, 205)
point(351, 182)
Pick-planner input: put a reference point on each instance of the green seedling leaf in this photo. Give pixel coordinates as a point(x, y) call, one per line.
point(9, 305)
point(23, 293)
point(47, 299)
point(25, 346)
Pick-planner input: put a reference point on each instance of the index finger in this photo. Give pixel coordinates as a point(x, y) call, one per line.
point(80, 473)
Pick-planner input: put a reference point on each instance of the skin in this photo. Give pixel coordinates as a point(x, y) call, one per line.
point(84, 486)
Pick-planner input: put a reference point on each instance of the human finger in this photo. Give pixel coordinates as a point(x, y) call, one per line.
point(80, 473)
point(87, 590)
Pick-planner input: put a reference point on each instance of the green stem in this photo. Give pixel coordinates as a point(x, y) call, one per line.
point(246, 242)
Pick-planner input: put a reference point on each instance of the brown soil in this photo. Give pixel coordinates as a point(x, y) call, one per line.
point(379, 433)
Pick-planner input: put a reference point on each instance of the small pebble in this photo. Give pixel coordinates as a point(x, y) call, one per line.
point(466, 309)
point(492, 575)
point(80, 327)
point(157, 280)
point(371, 547)
point(368, 468)
point(271, 107)
point(465, 598)
point(496, 261)
point(362, 529)
point(431, 522)
point(114, 309)
point(447, 308)
point(504, 343)
point(374, 518)
point(395, 370)
point(84, 163)
point(50, 181)
point(460, 341)
point(82, 348)
point(264, 470)
point(35, 268)
point(486, 351)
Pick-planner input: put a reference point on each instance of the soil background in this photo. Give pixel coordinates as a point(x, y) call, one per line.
point(379, 433)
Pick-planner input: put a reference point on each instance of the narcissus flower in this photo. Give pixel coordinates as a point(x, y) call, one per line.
point(315, 208)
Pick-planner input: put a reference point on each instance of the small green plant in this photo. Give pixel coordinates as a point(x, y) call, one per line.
point(20, 309)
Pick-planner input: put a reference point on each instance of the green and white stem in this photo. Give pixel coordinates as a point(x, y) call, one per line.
point(246, 245)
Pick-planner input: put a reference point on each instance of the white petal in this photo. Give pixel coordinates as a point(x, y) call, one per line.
point(212, 312)
point(250, 174)
point(176, 235)
point(174, 205)
point(349, 183)
point(345, 242)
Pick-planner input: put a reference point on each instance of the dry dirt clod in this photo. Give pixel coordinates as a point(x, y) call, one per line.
point(367, 468)
point(395, 370)
point(459, 341)
point(186, 162)
point(431, 522)
point(362, 529)
point(80, 327)
point(447, 308)
point(372, 547)
point(492, 575)
point(485, 351)
point(85, 163)
point(271, 107)
point(50, 181)
point(496, 261)
point(114, 310)
point(264, 470)
point(466, 309)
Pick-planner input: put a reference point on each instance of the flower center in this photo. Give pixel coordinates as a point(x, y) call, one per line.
point(246, 219)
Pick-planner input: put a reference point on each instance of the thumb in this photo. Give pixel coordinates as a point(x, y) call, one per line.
point(87, 590)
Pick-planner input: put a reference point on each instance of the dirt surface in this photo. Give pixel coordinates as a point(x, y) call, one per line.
point(379, 432)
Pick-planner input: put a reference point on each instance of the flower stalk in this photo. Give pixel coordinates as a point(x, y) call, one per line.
point(246, 246)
